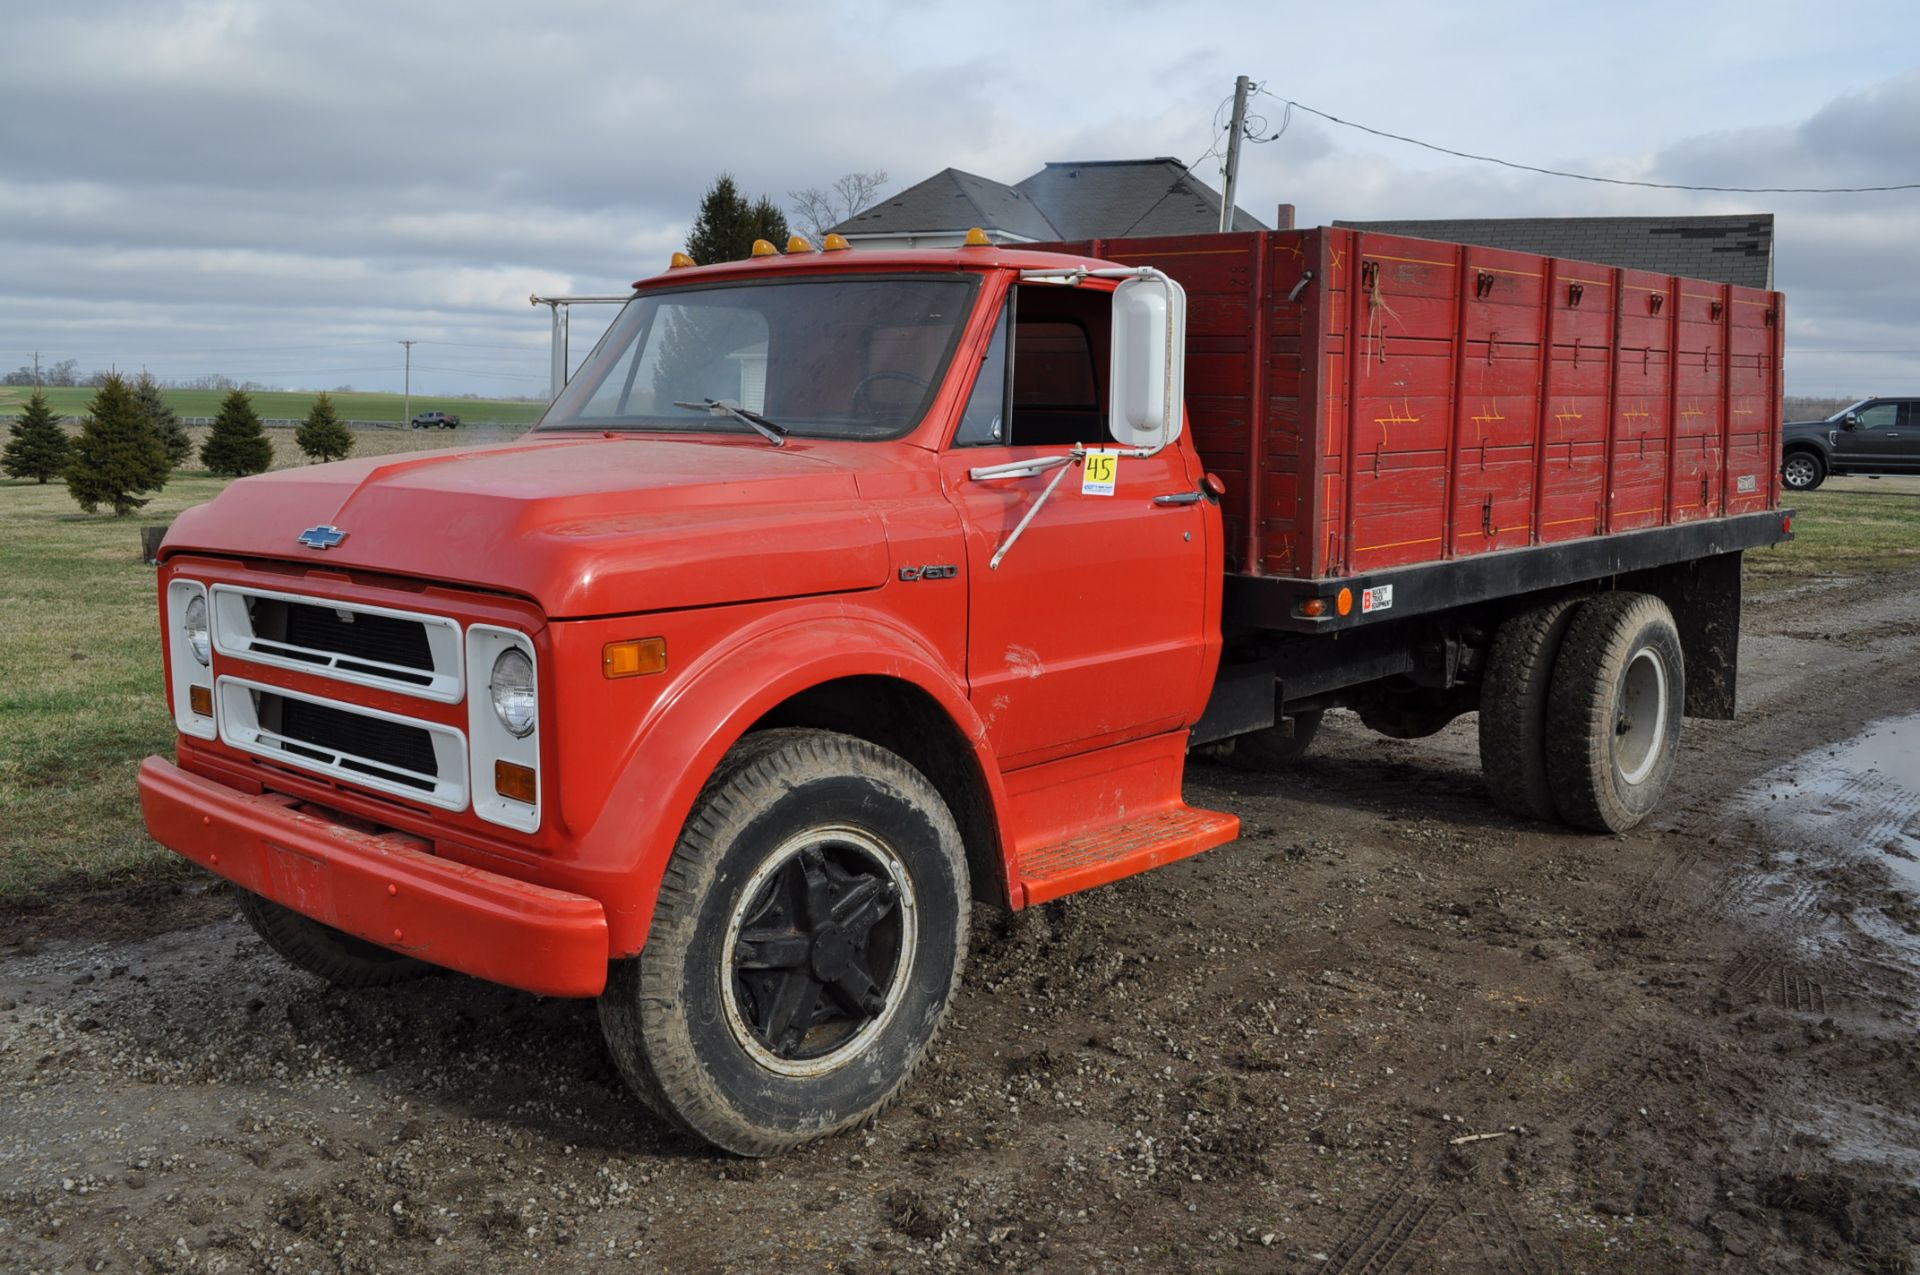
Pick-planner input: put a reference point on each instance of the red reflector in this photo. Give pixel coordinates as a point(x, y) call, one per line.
point(1786, 523)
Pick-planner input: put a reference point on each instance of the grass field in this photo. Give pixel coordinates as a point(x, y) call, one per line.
point(1850, 527)
point(294, 404)
point(81, 689)
point(81, 693)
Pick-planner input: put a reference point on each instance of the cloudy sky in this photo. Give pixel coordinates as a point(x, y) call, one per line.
point(281, 191)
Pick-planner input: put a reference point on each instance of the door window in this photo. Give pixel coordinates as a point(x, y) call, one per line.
point(1878, 416)
point(1041, 384)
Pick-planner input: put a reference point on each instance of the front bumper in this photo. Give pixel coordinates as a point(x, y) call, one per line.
point(381, 887)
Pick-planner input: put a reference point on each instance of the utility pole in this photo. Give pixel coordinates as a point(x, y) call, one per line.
point(1240, 86)
point(36, 369)
point(406, 403)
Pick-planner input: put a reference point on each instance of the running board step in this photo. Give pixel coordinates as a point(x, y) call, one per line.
point(1121, 850)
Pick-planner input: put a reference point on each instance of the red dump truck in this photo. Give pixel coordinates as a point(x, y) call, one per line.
point(842, 589)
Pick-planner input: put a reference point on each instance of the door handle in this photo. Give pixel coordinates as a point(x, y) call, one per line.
point(1178, 498)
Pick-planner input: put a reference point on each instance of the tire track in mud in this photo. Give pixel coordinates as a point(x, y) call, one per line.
point(1383, 1238)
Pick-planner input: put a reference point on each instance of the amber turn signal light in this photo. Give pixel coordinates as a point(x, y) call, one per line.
point(514, 781)
point(634, 657)
point(1313, 608)
point(200, 700)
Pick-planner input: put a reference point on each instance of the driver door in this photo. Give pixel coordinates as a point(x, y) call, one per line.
point(1093, 629)
point(1872, 444)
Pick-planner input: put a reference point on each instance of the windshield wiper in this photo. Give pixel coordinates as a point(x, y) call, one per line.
point(773, 433)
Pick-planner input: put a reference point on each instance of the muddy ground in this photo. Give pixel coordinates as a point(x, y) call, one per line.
point(1388, 1030)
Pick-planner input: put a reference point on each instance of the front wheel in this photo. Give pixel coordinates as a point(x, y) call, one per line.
point(1802, 471)
point(809, 935)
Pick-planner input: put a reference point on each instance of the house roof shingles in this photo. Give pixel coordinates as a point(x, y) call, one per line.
point(1732, 249)
point(1084, 200)
point(1109, 198)
point(950, 200)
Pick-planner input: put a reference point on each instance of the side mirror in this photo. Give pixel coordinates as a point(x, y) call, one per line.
point(1852, 420)
point(1149, 362)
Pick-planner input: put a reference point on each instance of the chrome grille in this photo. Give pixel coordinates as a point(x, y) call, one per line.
point(405, 651)
point(403, 756)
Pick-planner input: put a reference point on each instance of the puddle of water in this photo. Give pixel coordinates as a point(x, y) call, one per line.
point(1859, 796)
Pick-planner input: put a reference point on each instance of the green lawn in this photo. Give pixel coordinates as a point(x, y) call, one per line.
point(81, 698)
point(293, 405)
point(1842, 532)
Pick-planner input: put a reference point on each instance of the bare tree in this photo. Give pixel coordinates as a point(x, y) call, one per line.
point(819, 211)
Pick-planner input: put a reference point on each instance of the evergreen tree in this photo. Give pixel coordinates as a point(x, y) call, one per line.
point(163, 421)
point(38, 448)
point(116, 456)
point(322, 437)
point(238, 446)
point(728, 223)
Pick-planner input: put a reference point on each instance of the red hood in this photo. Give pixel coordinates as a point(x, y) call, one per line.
point(583, 526)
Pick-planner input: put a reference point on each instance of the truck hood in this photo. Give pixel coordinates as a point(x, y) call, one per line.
point(581, 525)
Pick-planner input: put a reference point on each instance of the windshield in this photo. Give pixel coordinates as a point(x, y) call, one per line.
point(844, 357)
point(1843, 413)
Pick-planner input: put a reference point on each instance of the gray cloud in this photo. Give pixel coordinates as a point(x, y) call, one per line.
point(277, 190)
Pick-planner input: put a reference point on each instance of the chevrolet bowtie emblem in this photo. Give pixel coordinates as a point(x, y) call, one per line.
point(322, 537)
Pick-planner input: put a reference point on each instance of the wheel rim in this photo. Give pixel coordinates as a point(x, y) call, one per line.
point(1639, 732)
point(819, 947)
point(1799, 471)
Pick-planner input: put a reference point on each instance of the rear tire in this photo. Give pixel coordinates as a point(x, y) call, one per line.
point(1802, 471)
point(1513, 708)
point(1274, 748)
point(334, 955)
point(808, 938)
point(1613, 713)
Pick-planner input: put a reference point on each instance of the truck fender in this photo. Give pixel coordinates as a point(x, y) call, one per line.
point(710, 707)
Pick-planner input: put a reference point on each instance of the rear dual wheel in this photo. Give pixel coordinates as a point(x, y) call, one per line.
point(1580, 710)
point(808, 938)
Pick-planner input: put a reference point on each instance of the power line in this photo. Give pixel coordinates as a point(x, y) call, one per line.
point(1585, 177)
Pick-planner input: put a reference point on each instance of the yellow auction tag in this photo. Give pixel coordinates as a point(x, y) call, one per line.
point(1102, 471)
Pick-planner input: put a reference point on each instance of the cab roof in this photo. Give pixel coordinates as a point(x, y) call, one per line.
point(992, 257)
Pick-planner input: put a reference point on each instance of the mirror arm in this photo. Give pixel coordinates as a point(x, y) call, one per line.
point(1061, 463)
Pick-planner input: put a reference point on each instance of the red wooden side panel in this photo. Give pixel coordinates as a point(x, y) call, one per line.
point(1400, 397)
point(1699, 424)
point(1575, 395)
point(1755, 321)
point(1498, 407)
point(1637, 477)
point(1419, 401)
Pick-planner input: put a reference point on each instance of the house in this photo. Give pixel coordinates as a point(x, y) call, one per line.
point(1084, 199)
point(1736, 249)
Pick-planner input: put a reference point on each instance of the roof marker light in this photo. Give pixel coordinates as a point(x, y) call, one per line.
point(835, 243)
point(761, 248)
point(799, 243)
point(977, 238)
point(679, 261)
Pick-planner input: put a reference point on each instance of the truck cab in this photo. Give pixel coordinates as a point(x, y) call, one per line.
point(837, 590)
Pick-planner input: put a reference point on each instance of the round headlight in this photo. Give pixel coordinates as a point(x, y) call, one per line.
point(193, 624)
point(512, 689)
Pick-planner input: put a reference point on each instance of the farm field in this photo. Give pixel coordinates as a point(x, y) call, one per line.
point(294, 404)
point(81, 698)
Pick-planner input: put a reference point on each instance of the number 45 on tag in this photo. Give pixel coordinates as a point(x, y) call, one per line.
point(1102, 471)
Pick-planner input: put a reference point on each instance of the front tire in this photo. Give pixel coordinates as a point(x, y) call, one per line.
point(809, 936)
point(1613, 713)
point(1802, 471)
